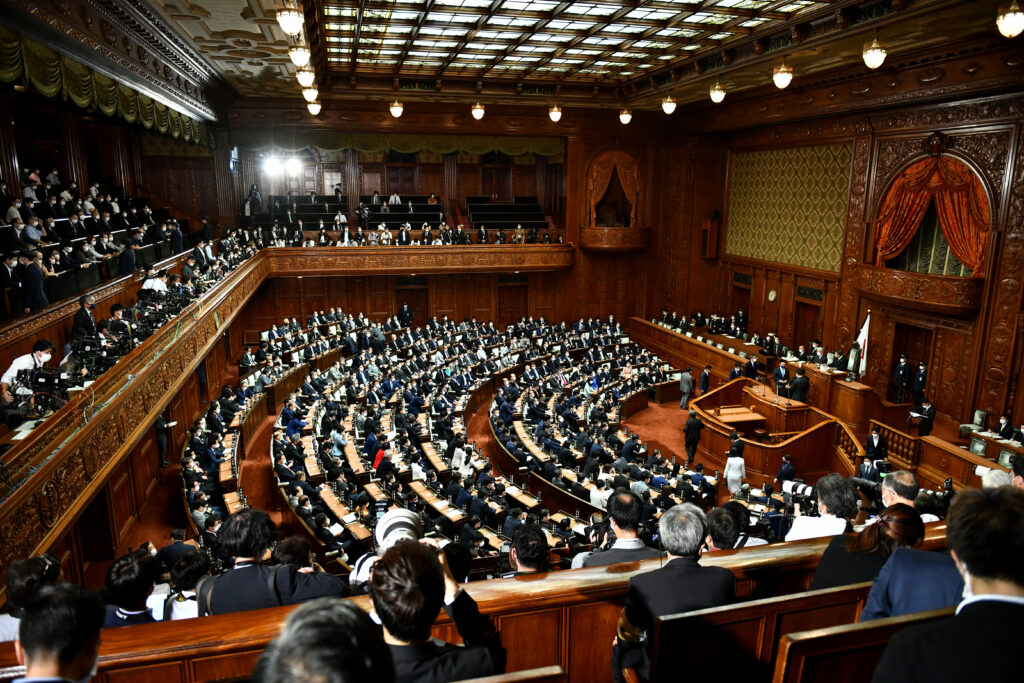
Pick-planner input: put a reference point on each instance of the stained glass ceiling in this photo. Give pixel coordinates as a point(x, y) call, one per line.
point(610, 43)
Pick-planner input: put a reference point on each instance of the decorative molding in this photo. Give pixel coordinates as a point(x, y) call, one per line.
point(421, 260)
point(614, 239)
point(935, 293)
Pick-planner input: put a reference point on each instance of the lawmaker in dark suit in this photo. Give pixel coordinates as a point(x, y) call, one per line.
point(924, 427)
point(409, 585)
point(705, 379)
point(83, 325)
point(989, 625)
point(781, 377)
point(876, 447)
point(799, 386)
point(919, 384)
point(867, 470)
point(682, 585)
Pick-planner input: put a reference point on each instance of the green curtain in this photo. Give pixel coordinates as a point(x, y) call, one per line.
point(56, 75)
point(329, 143)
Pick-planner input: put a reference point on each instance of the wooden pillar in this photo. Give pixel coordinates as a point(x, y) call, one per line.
point(450, 179)
point(227, 202)
point(575, 197)
point(8, 150)
point(75, 166)
point(352, 179)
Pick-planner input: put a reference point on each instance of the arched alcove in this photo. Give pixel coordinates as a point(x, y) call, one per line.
point(623, 169)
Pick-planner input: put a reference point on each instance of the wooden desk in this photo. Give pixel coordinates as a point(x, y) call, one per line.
point(994, 445)
point(684, 351)
point(739, 416)
point(334, 504)
point(232, 503)
point(440, 505)
point(633, 404)
point(375, 492)
point(667, 392)
point(285, 385)
point(316, 475)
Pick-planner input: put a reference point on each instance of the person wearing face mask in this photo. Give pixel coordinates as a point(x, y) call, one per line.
point(986, 538)
point(1005, 429)
point(17, 397)
point(90, 249)
point(84, 324)
point(33, 297)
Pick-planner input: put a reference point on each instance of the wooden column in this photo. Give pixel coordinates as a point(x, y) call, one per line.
point(72, 152)
point(352, 179)
point(227, 202)
point(575, 195)
point(450, 179)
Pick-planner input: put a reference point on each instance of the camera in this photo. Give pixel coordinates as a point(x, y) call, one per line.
point(798, 493)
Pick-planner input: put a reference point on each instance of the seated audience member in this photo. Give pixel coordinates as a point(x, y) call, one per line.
point(172, 552)
point(682, 585)
point(129, 582)
point(985, 533)
point(25, 578)
point(624, 513)
point(246, 536)
point(723, 532)
point(59, 635)
point(326, 640)
point(186, 573)
point(902, 487)
point(529, 554)
point(855, 558)
point(913, 581)
point(1017, 468)
point(837, 502)
point(409, 583)
point(742, 517)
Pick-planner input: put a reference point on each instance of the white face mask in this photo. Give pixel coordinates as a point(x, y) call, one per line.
point(968, 591)
point(45, 358)
point(152, 551)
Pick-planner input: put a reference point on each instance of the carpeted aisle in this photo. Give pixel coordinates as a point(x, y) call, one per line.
point(256, 476)
point(662, 425)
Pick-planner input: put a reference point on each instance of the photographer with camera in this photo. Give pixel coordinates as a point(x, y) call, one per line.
point(837, 503)
point(16, 395)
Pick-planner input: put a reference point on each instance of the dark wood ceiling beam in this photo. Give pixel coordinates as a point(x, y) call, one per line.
point(413, 35)
point(358, 22)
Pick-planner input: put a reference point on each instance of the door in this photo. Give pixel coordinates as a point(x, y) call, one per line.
point(511, 304)
point(806, 324)
point(402, 179)
point(741, 299)
point(497, 183)
point(913, 342)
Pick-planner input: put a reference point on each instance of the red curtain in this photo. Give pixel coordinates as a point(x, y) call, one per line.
point(960, 202)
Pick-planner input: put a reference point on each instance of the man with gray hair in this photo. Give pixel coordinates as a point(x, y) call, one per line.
point(682, 585)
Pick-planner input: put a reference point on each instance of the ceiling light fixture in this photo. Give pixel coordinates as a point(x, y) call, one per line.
point(555, 113)
point(625, 116)
point(310, 93)
point(783, 76)
point(273, 166)
point(874, 53)
point(668, 105)
point(396, 109)
point(299, 55)
point(314, 108)
point(1010, 20)
point(289, 16)
point(306, 76)
point(478, 111)
point(717, 93)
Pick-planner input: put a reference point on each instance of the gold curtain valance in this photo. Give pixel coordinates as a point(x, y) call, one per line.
point(329, 143)
point(56, 75)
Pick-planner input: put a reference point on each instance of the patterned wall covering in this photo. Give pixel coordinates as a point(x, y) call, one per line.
point(788, 205)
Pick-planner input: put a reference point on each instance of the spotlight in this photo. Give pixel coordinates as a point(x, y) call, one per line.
point(717, 93)
point(306, 76)
point(1010, 20)
point(555, 113)
point(272, 165)
point(783, 76)
point(874, 54)
point(668, 105)
point(314, 108)
point(396, 108)
point(310, 93)
point(625, 116)
point(299, 55)
point(289, 16)
point(293, 167)
point(478, 111)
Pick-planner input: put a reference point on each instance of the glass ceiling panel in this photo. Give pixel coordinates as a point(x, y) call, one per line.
point(594, 40)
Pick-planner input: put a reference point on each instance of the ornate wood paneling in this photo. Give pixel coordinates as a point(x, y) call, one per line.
point(614, 239)
point(951, 295)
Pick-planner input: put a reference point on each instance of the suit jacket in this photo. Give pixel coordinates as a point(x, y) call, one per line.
point(879, 451)
point(248, 588)
point(84, 325)
point(798, 388)
point(682, 585)
point(913, 581)
point(686, 383)
point(922, 653)
point(924, 427)
point(437, 662)
point(869, 472)
point(617, 555)
point(705, 381)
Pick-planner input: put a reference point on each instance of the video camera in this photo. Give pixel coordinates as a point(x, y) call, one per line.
point(96, 357)
point(49, 389)
point(798, 493)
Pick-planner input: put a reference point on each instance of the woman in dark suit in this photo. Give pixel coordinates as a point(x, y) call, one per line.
point(853, 558)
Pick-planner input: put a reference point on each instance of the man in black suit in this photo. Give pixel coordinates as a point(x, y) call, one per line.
point(409, 584)
point(173, 552)
point(991, 619)
point(876, 447)
point(901, 379)
point(867, 470)
point(919, 383)
point(691, 436)
point(682, 585)
point(799, 386)
point(737, 371)
point(705, 380)
point(786, 471)
point(781, 377)
point(927, 412)
point(83, 325)
point(750, 368)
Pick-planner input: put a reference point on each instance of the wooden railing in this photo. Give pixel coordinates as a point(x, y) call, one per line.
point(566, 618)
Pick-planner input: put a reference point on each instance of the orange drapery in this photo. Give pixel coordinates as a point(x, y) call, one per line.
point(960, 202)
point(601, 174)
